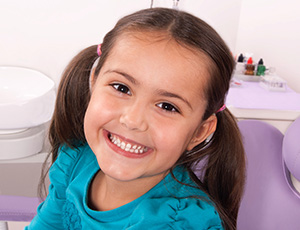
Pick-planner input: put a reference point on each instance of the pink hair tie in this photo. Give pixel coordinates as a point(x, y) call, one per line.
point(99, 52)
point(222, 108)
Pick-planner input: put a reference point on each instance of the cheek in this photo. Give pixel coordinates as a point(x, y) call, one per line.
point(100, 111)
point(173, 137)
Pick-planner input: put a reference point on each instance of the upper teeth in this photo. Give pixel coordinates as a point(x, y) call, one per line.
point(127, 146)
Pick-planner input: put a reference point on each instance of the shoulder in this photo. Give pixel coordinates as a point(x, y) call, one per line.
point(69, 157)
point(68, 164)
point(177, 213)
point(177, 204)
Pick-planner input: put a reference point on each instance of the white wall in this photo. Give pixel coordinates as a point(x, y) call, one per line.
point(271, 29)
point(46, 34)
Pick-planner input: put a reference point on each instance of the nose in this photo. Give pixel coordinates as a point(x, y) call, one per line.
point(133, 117)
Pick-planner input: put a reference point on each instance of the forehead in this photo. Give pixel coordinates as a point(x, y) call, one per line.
point(165, 56)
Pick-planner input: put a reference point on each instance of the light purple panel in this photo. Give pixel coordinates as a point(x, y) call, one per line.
point(18, 208)
point(252, 96)
point(268, 202)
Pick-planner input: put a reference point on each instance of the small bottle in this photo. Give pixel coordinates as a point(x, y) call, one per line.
point(260, 68)
point(249, 67)
point(240, 65)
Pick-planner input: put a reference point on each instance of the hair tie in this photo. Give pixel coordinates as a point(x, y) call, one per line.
point(222, 108)
point(99, 52)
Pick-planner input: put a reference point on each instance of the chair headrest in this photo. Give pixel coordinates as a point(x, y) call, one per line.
point(291, 149)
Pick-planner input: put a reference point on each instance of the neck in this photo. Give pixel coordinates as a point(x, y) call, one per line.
point(106, 193)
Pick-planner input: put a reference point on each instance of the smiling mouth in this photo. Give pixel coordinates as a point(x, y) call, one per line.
point(126, 146)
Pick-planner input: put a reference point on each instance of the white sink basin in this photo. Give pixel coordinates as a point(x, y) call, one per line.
point(27, 99)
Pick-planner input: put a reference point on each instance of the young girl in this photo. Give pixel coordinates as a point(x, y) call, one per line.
point(133, 120)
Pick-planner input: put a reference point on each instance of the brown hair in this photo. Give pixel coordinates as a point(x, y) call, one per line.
point(223, 175)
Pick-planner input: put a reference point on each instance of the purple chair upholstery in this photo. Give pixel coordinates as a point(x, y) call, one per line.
point(291, 154)
point(17, 208)
point(268, 202)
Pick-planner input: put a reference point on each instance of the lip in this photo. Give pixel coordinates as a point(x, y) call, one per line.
point(122, 152)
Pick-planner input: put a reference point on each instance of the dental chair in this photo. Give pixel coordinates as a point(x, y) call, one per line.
point(17, 208)
point(270, 200)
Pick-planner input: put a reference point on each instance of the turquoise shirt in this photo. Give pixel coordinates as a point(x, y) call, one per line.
point(165, 206)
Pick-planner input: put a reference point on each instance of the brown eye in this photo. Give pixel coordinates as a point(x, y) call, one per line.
point(121, 88)
point(168, 107)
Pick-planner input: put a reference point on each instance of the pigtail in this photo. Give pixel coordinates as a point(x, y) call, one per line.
point(72, 101)
point(73, 95)
point(218, 167)
point(225, 170)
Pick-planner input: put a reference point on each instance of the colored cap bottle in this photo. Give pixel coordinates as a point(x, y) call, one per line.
point(249, 67)
point(260, 68)
point(240, 58)
point(240, 65)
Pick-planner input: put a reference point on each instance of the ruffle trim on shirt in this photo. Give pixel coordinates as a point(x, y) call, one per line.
point(71, 218)
point(173, 213)
point(193, 213)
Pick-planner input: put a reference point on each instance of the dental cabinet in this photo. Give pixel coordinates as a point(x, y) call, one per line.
point(251, 101)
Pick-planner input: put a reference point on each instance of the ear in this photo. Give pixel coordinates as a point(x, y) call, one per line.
point(205, 129)
point(92, 79)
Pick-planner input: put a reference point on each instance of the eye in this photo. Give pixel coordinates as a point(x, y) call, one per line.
point(121, 88)
point(168, 107)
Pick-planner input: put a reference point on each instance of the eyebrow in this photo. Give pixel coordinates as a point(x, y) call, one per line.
point(159, 91)
point(173, 95)
point(127, 76)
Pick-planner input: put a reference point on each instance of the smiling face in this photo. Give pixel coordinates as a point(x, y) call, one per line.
point(146, 107)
